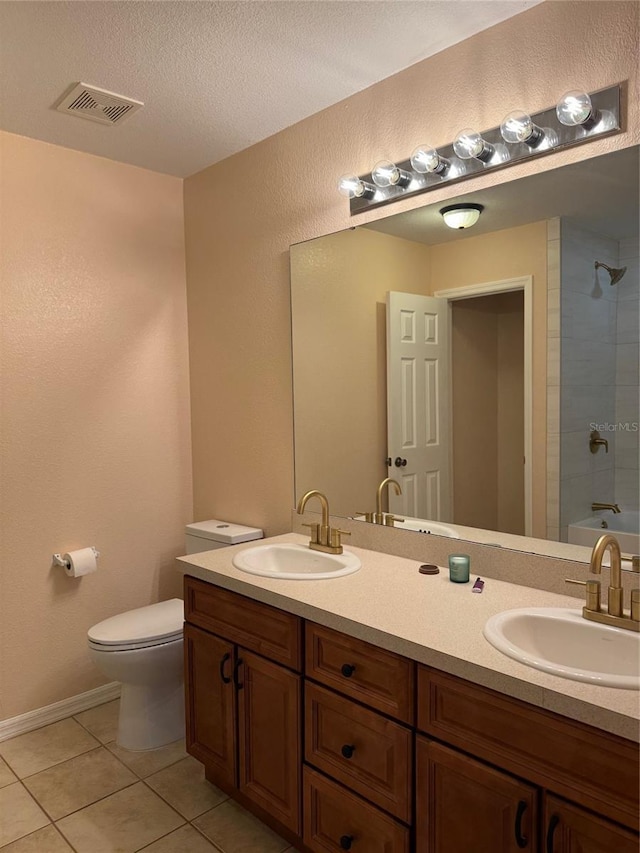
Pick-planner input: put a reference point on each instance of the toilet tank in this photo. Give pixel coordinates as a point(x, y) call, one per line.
point(208, 535)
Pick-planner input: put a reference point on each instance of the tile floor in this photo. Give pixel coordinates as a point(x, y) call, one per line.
point(69, 787)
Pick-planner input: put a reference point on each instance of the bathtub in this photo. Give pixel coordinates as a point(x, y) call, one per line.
point(421, 525)
point(625, 526)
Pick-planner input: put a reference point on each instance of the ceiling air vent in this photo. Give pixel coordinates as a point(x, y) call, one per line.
point(98, 104)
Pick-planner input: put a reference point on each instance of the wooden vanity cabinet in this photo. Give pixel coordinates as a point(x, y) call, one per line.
point(243, 711)
point(398, 757)
point(464, 805)
point(570, 829)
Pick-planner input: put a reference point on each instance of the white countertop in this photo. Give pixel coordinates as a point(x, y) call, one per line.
point(430, 620)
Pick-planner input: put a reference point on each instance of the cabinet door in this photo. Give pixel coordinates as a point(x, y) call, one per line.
point(210, 703)
point(570, 829)
point(464, 806)
point(269, 731)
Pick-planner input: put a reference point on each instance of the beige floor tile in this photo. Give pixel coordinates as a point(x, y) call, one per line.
point(121, 823)
point(19, 813)
point(184, 787)
point(29, 753)
point(234, 830)
point(144, 764)
point(183, 840)
point(76, 783)
point(6, 776)
point(47, 840)
point(101, 721)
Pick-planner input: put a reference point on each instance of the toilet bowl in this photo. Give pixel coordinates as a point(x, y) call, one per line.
point(143, 650)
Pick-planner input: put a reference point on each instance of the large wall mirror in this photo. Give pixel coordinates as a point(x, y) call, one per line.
point(491, 371)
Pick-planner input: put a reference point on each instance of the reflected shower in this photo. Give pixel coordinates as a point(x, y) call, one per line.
point(616, 274)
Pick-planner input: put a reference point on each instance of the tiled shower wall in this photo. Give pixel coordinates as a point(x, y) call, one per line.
point(587, 370)
point(628, 378)
point(599, 373)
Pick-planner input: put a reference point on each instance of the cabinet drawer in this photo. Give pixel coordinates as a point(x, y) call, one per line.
point(591, 767)
point(337, 820)
point(360, 748)
point(258, 627)
point(378, 678)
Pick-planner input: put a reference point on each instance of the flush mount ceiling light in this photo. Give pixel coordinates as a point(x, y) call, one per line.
point(577, 118)
point(461, 215)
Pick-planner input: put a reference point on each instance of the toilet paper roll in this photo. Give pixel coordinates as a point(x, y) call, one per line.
point(81, 562)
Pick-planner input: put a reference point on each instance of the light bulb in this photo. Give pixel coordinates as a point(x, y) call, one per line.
point(352, 186)
point(387, 174)
point(575, 108)
point(518, 127)
point(461, 215)
point(427, 160)
point(470, 145)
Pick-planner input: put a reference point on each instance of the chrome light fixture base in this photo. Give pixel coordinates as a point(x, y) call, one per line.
point(606, 104)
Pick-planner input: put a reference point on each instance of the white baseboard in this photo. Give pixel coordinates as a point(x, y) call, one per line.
point(58, 711)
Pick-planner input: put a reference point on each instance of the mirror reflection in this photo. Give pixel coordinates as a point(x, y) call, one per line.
point(492, 372)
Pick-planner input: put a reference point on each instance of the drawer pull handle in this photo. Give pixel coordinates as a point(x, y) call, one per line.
point(346, 841)
point(347, 670)
point(347, 750)
point(521, 840)
point(553, 823)
point(225, 678)
point(236, 667)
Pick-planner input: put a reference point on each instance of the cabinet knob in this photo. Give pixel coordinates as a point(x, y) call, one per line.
point(347, 750)
point(348, 669)
point(346, 841)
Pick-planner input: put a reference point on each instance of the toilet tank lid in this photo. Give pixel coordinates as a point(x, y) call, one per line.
point(153, 622)
point(223, 531)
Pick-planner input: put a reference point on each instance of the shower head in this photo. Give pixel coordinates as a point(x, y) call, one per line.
point(616, 274)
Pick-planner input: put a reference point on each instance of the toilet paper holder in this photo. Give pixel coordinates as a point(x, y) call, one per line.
point(59, 560)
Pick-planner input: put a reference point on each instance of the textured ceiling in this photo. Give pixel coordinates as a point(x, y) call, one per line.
point(599, 194)
point(215, 77)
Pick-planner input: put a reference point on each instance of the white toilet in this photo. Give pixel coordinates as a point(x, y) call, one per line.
point(143, 650)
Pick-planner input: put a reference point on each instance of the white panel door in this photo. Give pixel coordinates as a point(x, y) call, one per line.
point(418, 413)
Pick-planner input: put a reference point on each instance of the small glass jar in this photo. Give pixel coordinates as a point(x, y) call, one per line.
point(459, 568)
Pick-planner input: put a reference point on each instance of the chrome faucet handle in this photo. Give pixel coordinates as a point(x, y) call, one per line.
point(593, 593)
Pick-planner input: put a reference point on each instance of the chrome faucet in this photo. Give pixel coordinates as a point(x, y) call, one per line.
point(597, 505)
point(323, 537)
point(615, 614)
point(388, 481)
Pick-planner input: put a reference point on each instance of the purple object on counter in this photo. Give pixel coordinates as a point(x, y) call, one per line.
point(478, 585)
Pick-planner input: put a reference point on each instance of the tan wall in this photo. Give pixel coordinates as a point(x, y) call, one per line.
point(511, 503)
point(95, 445)
point(339, 287)
point(474, 366)
point(242, 215)
point(488, 412)
point(493, 257)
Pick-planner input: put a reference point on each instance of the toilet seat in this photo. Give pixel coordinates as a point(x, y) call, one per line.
point(141, 628)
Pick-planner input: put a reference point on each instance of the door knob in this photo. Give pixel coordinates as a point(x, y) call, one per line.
point(346, 841)
point(399, 462)
point(347, 750)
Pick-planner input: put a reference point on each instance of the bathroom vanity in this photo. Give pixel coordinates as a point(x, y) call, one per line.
point(347, 725)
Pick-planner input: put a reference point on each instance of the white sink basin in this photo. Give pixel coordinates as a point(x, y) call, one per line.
point(562, 642)
point(295, 562)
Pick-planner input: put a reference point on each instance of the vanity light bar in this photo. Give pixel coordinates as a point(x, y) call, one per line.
point(519, 137)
